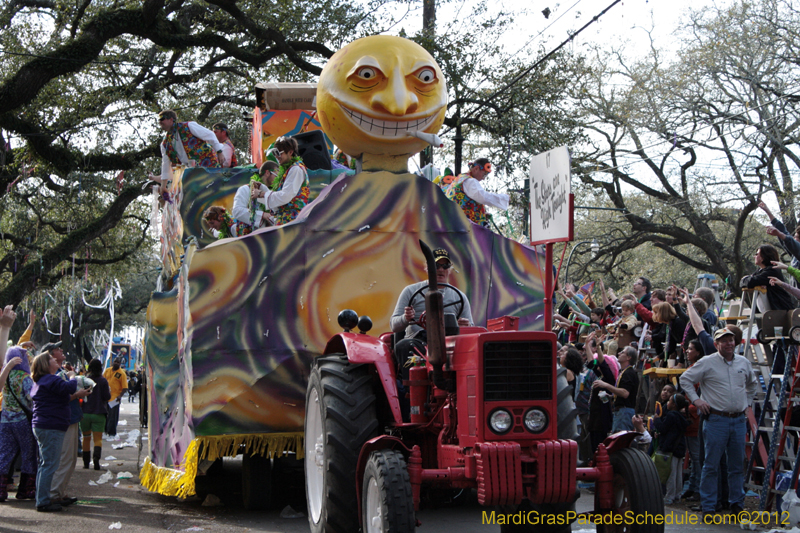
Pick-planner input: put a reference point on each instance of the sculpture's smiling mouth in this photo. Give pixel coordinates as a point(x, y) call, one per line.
point(389, 129)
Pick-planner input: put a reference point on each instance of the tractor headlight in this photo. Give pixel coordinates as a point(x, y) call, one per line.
point(535, 420)
point(500, 421)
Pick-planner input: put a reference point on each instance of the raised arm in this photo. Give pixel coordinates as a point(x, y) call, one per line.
point(585, 309)
point(26, 335)
point(603, 295)
point(766, 210)
point(6, 321)
point(14, 361)
point(694, 318)
point(590, 352)
point(794, 272)
point(785, 286)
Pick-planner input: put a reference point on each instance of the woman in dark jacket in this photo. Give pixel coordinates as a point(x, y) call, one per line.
point(94, 413)
point(777, 298)
point(51, 396)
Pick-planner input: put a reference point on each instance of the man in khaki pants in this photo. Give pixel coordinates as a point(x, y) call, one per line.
point(69, 449)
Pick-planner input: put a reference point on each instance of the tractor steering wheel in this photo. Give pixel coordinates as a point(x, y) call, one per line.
point(459, 302)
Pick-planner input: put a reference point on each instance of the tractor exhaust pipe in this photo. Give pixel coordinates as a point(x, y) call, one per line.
point(434, 308)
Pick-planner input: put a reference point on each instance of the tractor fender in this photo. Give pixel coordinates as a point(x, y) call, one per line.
point(619, 440)
point(381, 442)
point(364, 349)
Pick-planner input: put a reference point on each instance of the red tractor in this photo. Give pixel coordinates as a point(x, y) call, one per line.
point(488, 410)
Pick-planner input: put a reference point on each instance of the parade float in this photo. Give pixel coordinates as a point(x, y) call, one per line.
point(246, 334)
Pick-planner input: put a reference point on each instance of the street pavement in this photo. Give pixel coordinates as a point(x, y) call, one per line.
point(121, 502)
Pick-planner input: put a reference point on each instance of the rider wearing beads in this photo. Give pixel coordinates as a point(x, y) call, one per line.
point(289, 192)
point(467, 192)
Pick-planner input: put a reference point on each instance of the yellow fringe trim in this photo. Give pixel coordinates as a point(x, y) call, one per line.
point(180, 483)
point(169, 481)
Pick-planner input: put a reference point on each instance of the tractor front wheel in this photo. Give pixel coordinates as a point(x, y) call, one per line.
point(636, 491)
point(340, 418)
point(387, 505)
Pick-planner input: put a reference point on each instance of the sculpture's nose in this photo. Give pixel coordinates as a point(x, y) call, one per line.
point(395, 98)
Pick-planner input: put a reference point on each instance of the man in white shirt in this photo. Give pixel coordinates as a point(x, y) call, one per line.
point(245, 208)
point(289, 194)
point(728, 386)
point(188, 144)
point(228, 151)
point(467, 192)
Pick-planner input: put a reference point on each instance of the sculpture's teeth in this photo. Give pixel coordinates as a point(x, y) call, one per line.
point(388, 128)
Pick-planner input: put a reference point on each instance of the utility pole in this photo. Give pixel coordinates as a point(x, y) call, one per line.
point(429, 31)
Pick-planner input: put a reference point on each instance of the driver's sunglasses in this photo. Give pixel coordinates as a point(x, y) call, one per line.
point(443, 266)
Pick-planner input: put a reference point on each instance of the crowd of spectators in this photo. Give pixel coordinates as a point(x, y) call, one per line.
point(606, 347)
point(46, 405)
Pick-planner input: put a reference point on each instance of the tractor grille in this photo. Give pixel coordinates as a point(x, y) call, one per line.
point(517, 371)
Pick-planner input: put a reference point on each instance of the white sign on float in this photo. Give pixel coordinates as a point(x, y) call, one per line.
point(551, 197)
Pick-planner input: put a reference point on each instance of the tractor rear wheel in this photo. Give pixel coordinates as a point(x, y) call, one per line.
point(636, 489)
point(387, 505)
point(567, 429)
point(340, 418)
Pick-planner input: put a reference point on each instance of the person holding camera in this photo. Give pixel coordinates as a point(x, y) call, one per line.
point(600, 416)
point(624, 391)
point(51, 396)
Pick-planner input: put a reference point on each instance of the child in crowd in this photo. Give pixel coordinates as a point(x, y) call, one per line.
point(670, 430)
point(597, 317)
point(643, 441)
point(626, 323)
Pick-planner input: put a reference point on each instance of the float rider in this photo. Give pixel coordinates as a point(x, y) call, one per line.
point(289, 192)
point(228, 150)
point(222, 225)
point(467, 192)
point(187, 144)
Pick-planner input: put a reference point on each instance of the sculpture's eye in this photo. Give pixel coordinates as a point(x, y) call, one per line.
point(426, 75)
point(367, 73)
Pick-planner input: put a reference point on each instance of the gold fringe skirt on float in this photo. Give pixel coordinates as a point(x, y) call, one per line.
point(180, 483)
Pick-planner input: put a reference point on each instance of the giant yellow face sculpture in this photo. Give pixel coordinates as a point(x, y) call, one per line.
point(375, 90)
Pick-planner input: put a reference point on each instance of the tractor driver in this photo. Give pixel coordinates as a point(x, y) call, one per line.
point(406, 311)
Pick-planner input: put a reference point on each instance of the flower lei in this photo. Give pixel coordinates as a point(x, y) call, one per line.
point(225, 229)
point(283, 170)
point(253, 203)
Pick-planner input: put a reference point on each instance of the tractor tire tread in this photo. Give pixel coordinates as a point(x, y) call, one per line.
point(397, 502)
point(350, 420)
